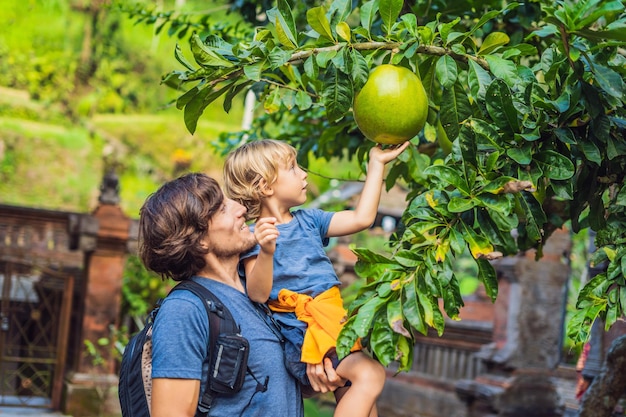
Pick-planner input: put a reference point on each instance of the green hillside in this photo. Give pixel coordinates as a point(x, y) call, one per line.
point(57, 136)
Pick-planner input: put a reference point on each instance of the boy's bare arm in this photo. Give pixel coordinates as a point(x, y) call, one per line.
point(351, 221)
point(260, 270)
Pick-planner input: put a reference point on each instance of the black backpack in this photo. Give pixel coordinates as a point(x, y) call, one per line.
point(227, 348)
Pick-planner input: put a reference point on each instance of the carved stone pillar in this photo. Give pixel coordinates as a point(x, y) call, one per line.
point(92, 389)
point(528, 329)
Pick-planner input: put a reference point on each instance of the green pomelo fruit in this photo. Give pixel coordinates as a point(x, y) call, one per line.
point(392, 106)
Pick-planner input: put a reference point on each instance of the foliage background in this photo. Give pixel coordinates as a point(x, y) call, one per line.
point(64, 119)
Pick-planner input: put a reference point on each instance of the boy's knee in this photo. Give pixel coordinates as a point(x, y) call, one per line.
point(373, 374)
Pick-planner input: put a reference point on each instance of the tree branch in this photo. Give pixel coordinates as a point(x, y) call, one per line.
point(300, 56)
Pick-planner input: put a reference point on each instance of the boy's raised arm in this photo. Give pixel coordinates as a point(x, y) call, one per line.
point(351, 221)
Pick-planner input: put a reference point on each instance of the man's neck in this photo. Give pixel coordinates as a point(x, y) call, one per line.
point(223, 270)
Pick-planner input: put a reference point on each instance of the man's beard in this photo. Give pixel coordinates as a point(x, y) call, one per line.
point(221, 252)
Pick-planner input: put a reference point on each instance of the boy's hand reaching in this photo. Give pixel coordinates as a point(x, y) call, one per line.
point(265, 232)
point(383, 156)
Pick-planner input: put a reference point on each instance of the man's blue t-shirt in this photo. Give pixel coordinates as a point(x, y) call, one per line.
point(180, 337)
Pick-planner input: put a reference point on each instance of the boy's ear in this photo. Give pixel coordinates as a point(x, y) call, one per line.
point(266, 190)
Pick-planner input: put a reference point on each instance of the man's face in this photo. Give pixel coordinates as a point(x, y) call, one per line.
point(229, 234)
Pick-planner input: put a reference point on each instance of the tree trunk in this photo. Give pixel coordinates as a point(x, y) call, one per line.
point(607, 388)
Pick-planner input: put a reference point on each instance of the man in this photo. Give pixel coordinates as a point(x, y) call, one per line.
point(189, 231)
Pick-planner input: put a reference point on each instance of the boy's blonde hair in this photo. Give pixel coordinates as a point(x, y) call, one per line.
point(248, 165)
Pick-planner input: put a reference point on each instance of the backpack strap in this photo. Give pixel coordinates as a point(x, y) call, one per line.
point(220, 321)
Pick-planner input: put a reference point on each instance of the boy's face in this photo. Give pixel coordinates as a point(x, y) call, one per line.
point(290, 185)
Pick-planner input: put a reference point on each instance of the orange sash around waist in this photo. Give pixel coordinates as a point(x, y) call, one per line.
point(324, 316)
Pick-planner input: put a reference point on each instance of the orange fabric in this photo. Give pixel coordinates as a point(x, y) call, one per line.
point(324, 316)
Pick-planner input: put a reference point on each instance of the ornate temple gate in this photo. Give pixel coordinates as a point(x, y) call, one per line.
point(35, 312)
point(39, 272)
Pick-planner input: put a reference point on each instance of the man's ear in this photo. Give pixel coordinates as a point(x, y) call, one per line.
point(266, 190)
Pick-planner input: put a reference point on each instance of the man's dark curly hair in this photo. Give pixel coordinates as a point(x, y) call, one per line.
point(173, 221)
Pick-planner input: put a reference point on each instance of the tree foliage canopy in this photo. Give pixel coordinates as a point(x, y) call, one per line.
point(531, 95)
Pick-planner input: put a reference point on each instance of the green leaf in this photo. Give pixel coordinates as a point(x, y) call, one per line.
point(522, 155)
point(432, 314)
point(383, 343)
point(371, 256)
point(615, 148)
point(254, 71)
point(389, 11)
point(324, 57)
point(182, 101)
point(448, 175)
point(287, 23)
point(178, 54)
point(410, 23)
point(565, 135)
point(404, 353)
point(594, 292)
point(486, 134)
point(347, 338)
point(316, 18)
point(395, 318)
point(455, 108)
point(195, 107)
point(503, 69)
point(337, 94)
point(620, 199)
point(446, 71)
point(283, 36)
point(412, 310)
point(408, 258)
point(591, 151)
point(617, 33)
point(609, 80)
point(446, 28)
point(535, 216)
point(460, 205)
point(359, 69)
point(343, 30)
point(504, 222)
point(599, 9)
point(486, 17)
point(502, 202)
point(492, 42)
point(303, 100)
point(365, 316)
point(310, 68)
point(205, 56)
point(469, 148)
point(478, 245)
point(500, 106)
point(555, 165)
point(452, 299)
point(457, 242)
point(236, 88)
point(426, 307)
point(367, 14)
point(340, 10)
point(499, 238)
point(487, 274)
point(497, 185)
point(479, 80)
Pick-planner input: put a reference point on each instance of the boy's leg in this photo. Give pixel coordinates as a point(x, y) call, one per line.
point(367, 377)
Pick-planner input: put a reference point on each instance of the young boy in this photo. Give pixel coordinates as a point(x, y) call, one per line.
point(290, 268)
